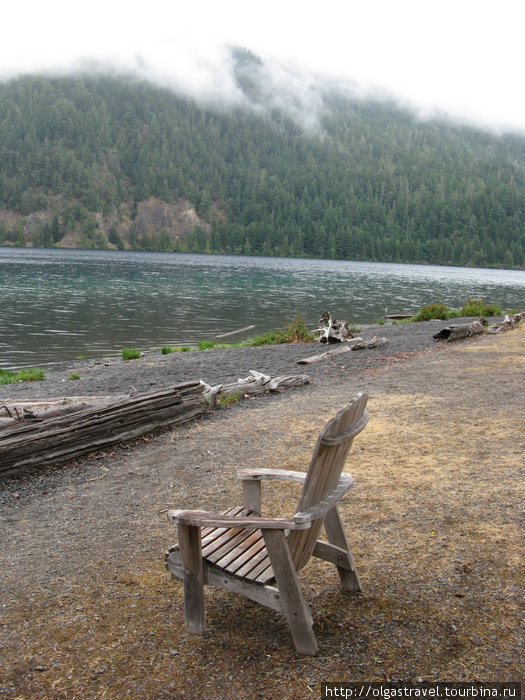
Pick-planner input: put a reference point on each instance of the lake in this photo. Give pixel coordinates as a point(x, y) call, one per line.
point(60, 305)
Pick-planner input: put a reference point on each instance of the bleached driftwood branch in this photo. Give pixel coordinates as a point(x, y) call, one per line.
point(256, 383)
point(374, 342)
point(333, 331)
point(507, 324)
point(354, 344)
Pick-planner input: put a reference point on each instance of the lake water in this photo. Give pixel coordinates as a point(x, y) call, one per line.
point(58, 305)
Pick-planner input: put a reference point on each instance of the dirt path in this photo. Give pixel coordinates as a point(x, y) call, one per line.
point(435, 520)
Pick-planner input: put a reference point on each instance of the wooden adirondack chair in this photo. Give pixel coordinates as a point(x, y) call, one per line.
point(258, 556)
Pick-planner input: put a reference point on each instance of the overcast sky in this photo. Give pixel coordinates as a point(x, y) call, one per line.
point(465, 58)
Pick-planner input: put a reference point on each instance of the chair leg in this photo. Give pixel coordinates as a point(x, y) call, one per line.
point(336, 535)
point(295, 608)
point(193, 578)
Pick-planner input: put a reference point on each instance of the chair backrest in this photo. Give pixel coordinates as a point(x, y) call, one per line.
point(328, 460)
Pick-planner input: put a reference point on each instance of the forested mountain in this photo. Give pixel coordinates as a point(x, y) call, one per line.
point(94, 161)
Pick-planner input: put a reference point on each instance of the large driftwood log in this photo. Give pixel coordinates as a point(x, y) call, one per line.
point(29, 443)
point(256, 383)
point(333, 331)
point(466, 330)
point(27, 410)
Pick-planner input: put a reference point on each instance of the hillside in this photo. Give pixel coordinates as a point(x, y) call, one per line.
point(95, 161)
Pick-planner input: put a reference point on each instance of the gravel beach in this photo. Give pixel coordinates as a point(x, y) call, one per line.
point(435, 521)
point(155, 371)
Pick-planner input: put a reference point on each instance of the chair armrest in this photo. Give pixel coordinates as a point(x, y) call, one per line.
point(269, 474)
point(201, 518)
point(321, 508)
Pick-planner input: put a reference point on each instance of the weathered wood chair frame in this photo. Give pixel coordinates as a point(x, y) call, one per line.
point(259, 557)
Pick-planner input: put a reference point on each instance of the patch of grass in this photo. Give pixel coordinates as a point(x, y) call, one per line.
point(477, 307)
point(294, 332)
point(205, 344)
point(166, 350)
point(268, 338)
point(380, 321)
point(33, 374)
point(229, 399)
point(472, 307)
point(223, 346)
point(73, 376)
point(130, 354)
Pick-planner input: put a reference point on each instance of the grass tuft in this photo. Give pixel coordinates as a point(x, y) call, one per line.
point(229, 399)
point(130, 354)
point(294, 332)
point(34, 374)
point(205, 344)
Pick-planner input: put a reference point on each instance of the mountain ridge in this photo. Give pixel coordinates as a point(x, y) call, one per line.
point(97, 161)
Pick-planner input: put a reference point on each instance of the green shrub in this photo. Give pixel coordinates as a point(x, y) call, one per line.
point(130, 354)
point(380, 321)
point(432, 311)
point(34, 374)
point(477, 307)
point(73, 376)
point(166, 350)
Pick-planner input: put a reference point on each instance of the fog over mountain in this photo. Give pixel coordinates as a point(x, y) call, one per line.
point(271, 161)
point(463, 59)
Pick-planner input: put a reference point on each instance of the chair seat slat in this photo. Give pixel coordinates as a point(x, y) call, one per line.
point(237, 510)
point(252, 568)
point(237, 548)
point(246, 557)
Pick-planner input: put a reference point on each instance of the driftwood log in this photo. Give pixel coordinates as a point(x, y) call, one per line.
point(30, 442)
point(324, 355)
point(465, 330)
point(507, 324)
point(354, 344)
point(34, 410)
point(333, 331)
point(256, 383)
point(374, 342)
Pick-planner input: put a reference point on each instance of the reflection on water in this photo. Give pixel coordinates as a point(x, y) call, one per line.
point(61, 304)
